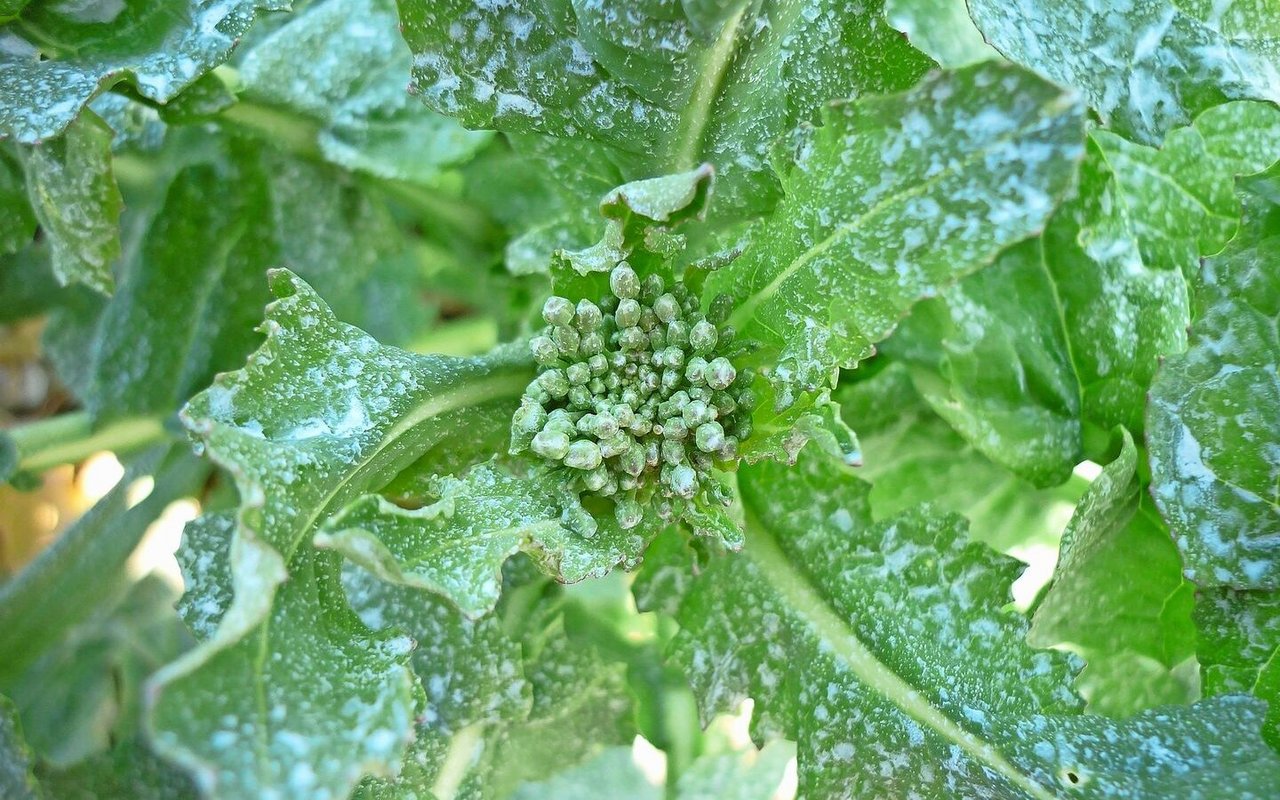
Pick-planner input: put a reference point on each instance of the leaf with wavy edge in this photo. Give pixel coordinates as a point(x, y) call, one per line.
point(320, 415)
point(1239, 648)
point(1096, 608)
point(57, 56)
point(1145, 66)
point(1214, 417)
point(886, 651)
point(892, 199)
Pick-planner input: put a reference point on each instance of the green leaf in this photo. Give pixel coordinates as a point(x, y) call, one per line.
point(320, 415)
point(1239, 648)
point(74, 194)
point(457, 545)
point(1145, 67)
point(1037, 390)
point(129, 770)
point(16, 778)
point(343, 63)
point(912, 456)
point(660, 88)
point(887, 652)
point(940, 28)
point(891, 200)
point(56, 57)
point(84, 693)
point(17, 222)
point(613, 773)
point(1095, 607)
point(1214, 415)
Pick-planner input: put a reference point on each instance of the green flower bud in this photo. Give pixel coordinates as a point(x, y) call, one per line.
point(623, 282)
point(700, 393)
point(560, 420)
point(628, 512)
point(729, 451)
point(582, 454)
point(673, 452)
point(702, 337)
point(611, 381)
point(591, 344)
point(578, 373)
point(673, 357)
point(614, 445)
point(720, 309)
point(632, 462)
point(597, 387)
point(579, 520)
point(598, 364)
point(648, 320)
point(696, 412)
point(596, 479)
point(649, 382)
point(667, 308)
point(720, 373)
point(580, 396)
point(743, 429)
point(544, 350)
point(651, 454)
point(677, 333)
point(657, 339)
point(724, 403)
point(683, 481)
point(566, 340)
point(693, 371)
point(670, 379)
point(537, 393)
point(608, 303)
point(554, 382)
point(651, 287)
point(747, 399)
point(628, 314)
point(552, 444)
point(589, 316)
point(632, 339)
point(674, 428)
point(709, 437)
point(557, 311)
point(530, 416)
point(640, 426)
point(631, 397)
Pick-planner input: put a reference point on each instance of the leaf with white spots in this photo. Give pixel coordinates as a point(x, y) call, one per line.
point(657, 88)
point(343, 64)
point(320, 415)
point(1146, 66)
point(1035, 359)
point(1095, 607)
point(56, 57)
point(1214, 419)
point(891, 200)
point(940, 28)
point(1239, 648)
point(887, 652)
point(76, 202)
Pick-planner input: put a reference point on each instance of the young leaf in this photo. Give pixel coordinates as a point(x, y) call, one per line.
point(1108, 282)
point(656, 90)
point(76, 201)
point(1096, 608)
point(343, 63)
point(892, 199)
point(1145, 67)
point(886, 651)
point(1239, 648)
point(56, 57)
point(320, 415)
point(1214, 415)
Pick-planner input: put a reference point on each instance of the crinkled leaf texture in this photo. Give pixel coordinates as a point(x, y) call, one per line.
point(660, 87)
point(57, 56)
point(886, 650)
point(320, 415)
point(1118, 597)
point(1147, 66)
point(1058, 341)
point(1214, 419)
point(891, 200)
point(1239, 647)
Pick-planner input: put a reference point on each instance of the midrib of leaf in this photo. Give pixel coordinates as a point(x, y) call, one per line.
point(743, 313)
point(705, 91)
point(1061, 312)
point(805, 601)
point(462, 748)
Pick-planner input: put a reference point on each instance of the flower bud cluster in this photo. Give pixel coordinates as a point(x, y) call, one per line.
point(634, 396)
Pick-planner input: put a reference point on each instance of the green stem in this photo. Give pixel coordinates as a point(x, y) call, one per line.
point(71, 578)
point(69, 438)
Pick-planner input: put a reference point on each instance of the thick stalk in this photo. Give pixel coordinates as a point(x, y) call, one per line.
point(69, 438)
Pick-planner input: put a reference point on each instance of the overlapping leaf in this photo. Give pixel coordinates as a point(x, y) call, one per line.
point(940, 28)
point(886, 651)
point(1239, 648)
point(55, 57)
point(343, 64)
point(1108, 285)
point(656, 88)
point(1214, 419)
point(320, 415)
point(891, 200)
point(1148, 66)
point(1133, 633)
